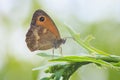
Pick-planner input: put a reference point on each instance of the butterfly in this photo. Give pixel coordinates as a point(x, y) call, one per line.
point(43, 33)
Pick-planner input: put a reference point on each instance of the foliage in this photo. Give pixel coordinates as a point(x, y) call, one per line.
point(72, 63)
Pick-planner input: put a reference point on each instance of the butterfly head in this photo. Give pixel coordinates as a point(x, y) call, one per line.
point(57, 43)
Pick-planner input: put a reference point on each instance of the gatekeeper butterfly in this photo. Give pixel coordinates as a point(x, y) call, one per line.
point(43, 33)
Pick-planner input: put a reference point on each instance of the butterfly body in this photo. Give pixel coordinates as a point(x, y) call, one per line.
point(43, 33)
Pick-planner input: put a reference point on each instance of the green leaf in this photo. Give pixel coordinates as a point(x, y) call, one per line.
point(72, 63)
point(88, 39)
point(46, 78)
point(47, 55)
point(84, 59)
point(85, 43)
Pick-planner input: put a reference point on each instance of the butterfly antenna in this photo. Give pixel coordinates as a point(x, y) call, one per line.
point(68, 38)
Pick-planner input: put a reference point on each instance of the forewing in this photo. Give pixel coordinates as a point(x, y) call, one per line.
point(47, 23)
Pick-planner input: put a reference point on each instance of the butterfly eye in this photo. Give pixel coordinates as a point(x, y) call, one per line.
point(41, 19)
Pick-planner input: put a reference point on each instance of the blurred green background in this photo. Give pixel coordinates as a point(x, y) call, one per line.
point(101, 18)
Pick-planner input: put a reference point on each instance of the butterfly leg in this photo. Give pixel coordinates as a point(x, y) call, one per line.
point(60, 48)
point(53, 52)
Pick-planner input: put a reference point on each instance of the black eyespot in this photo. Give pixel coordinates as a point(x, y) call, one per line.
point(41, 19)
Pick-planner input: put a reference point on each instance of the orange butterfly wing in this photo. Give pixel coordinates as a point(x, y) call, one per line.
point(48, 23)
point(43, 33)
